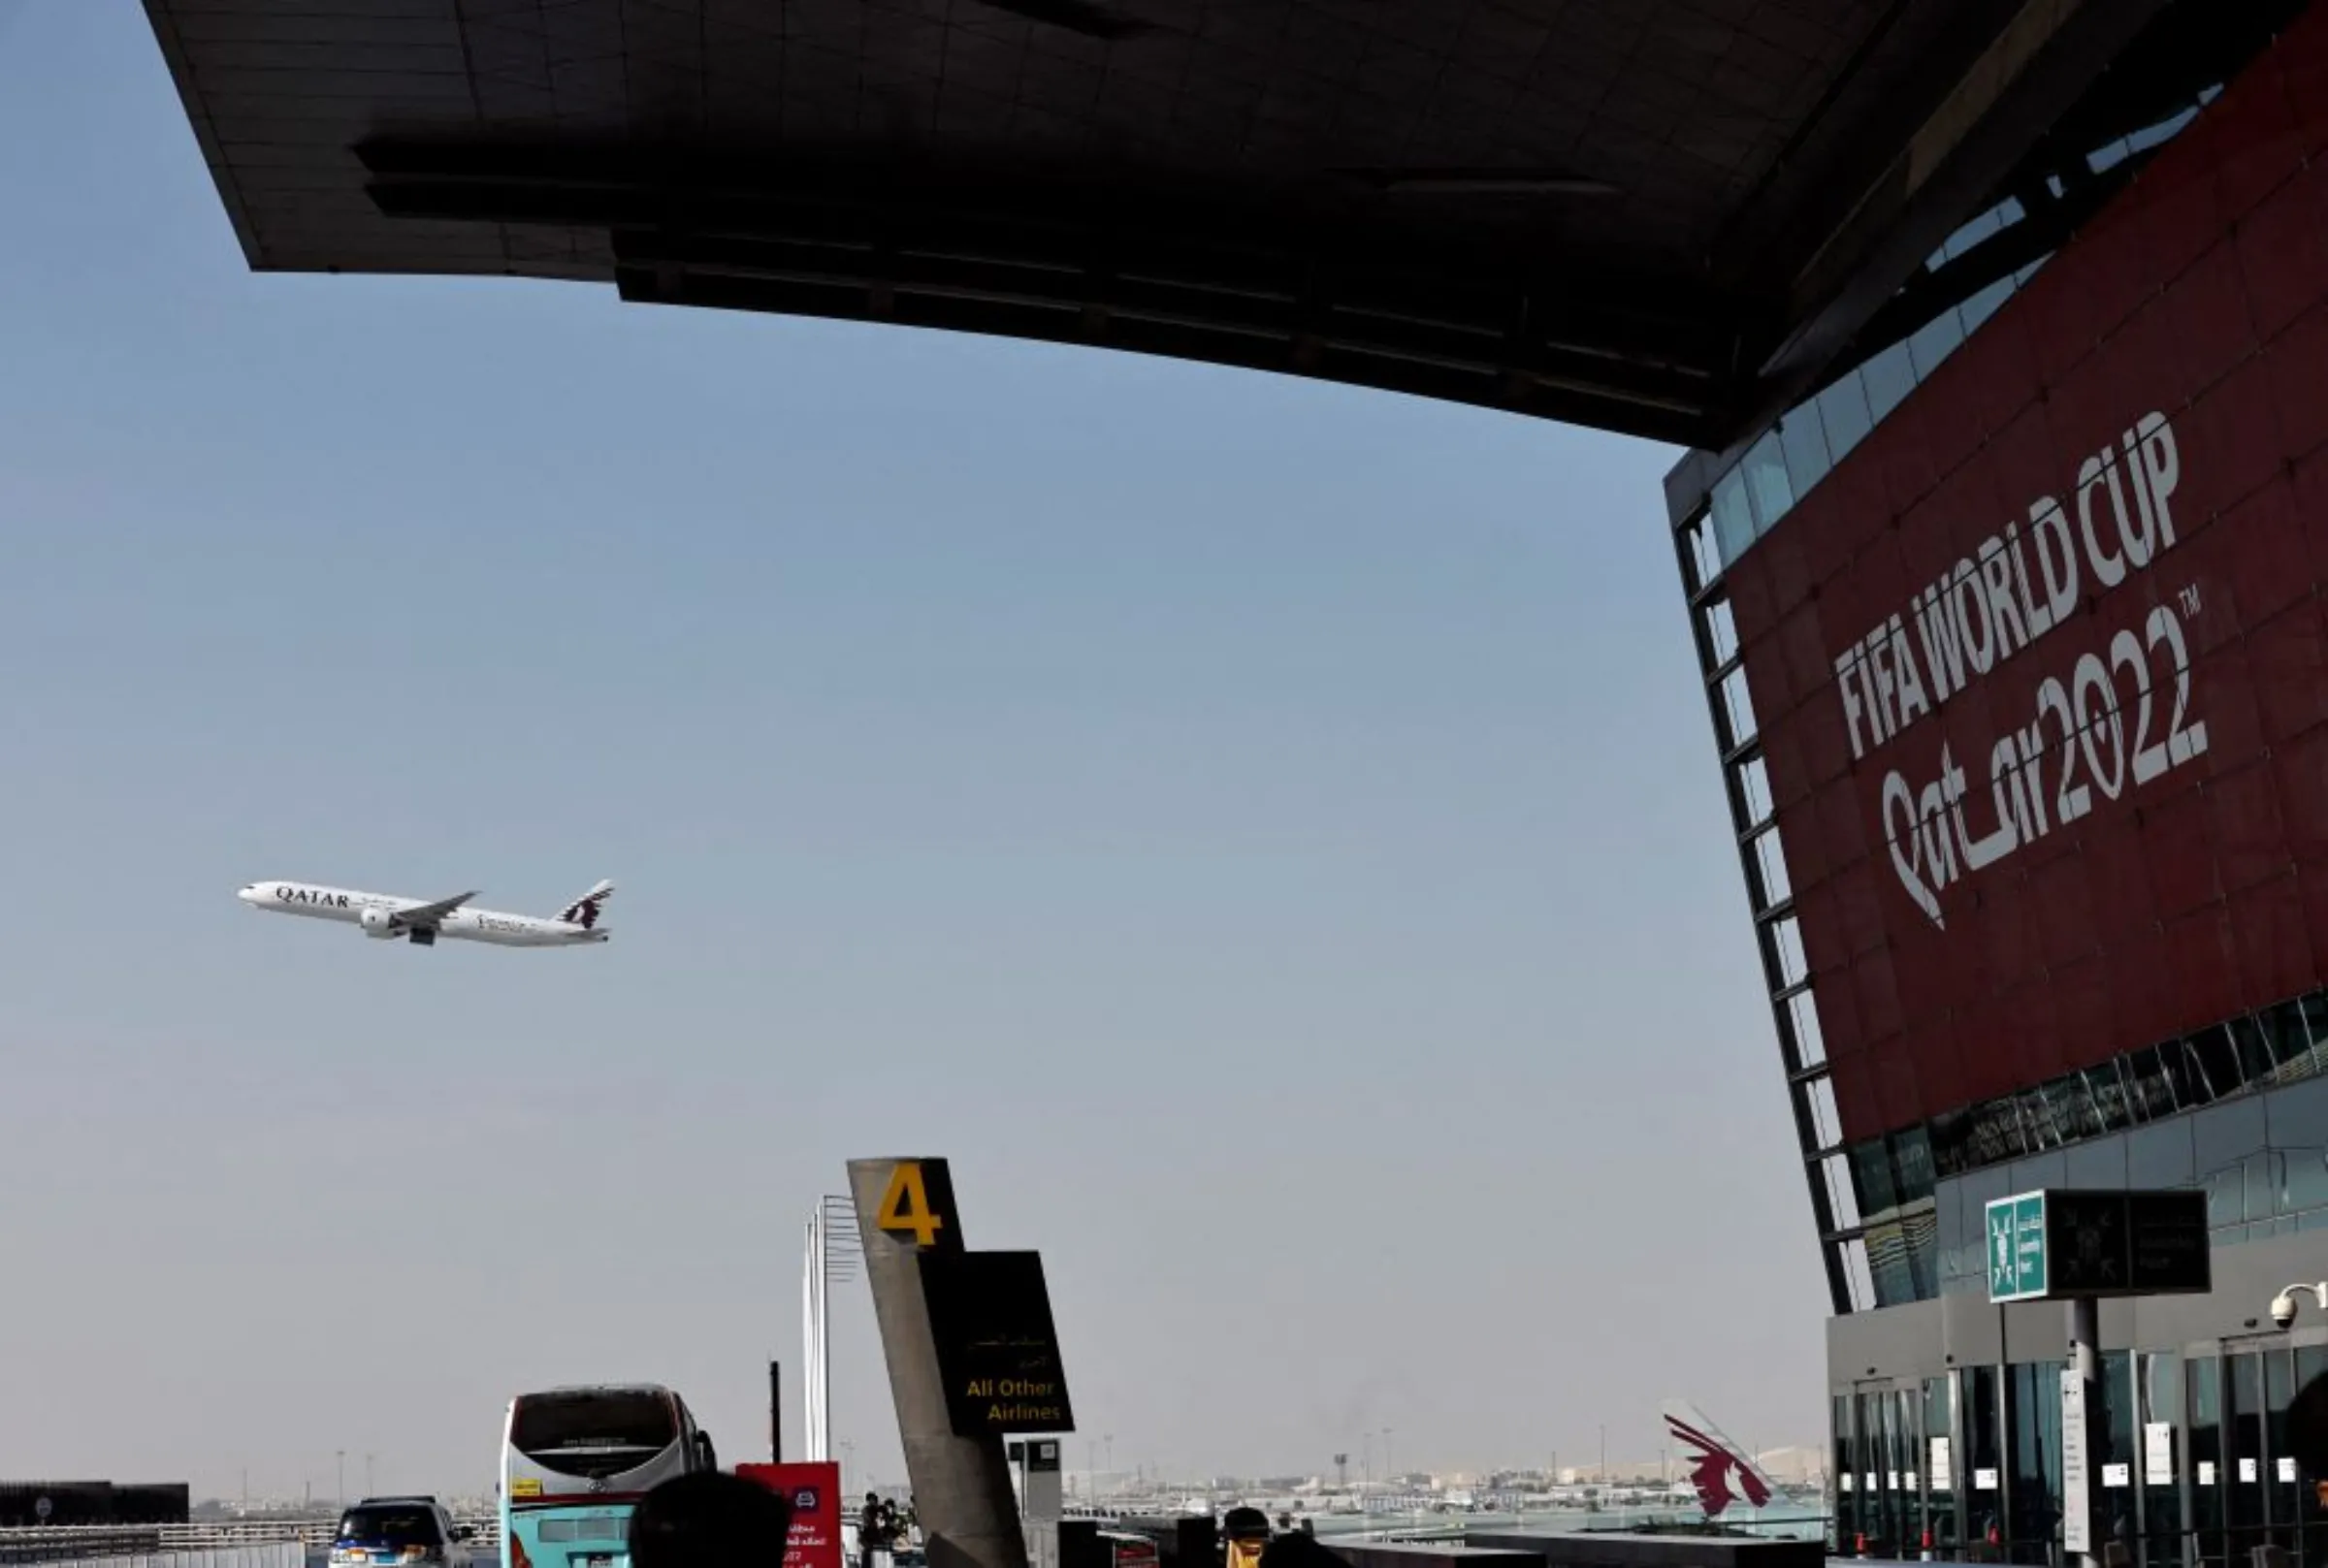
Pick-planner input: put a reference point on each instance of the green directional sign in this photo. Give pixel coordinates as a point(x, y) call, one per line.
point(2058, 1244)
point(2017, 1248)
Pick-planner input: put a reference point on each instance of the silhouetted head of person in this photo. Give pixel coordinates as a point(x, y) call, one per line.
point(710, 1520)
point(1244, 1523)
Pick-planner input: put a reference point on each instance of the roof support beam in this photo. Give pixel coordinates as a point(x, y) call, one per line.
point(2042, 63)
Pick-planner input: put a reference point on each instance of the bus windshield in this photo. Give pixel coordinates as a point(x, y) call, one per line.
point(596, 1432)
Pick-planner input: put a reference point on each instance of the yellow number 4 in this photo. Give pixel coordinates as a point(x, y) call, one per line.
point(905, 1207)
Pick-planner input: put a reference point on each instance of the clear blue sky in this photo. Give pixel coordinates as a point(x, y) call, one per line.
point(1267, 834)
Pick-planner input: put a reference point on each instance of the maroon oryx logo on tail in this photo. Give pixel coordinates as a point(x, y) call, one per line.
point(584, 910)
point(1720, 1474)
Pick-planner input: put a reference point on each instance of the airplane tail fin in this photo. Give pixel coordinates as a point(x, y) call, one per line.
point(1723, 1472)
point(584, 910)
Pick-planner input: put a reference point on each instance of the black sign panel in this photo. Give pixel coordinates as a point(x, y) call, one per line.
point(2121, 1243)
point(2167, 1236)
point(2086, 1244)
point(990, 1313)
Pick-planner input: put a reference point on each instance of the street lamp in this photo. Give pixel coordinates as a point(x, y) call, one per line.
point(2284, 1305)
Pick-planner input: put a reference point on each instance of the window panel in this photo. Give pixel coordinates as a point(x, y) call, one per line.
point(1738, 705)
point(2110, 1089)
point(1827, 1126)
point(2037, 1171)
point(1872, 1170)
point(2033, 1396)
point(1810, 1045)
point(2160, 1155)
point(1705, 561)
point(1985, 302)
point(2304, 1179)
point(1753, 783)
point(1958, 1260)
point(1934, 341)
point(2205, 1464)
point(2314, 1008)
point(1983, 1390)
point(2159, 1394)
point(2185, 1084)
point(1734, 517)
point(1770, 858)
point(2297, 1116)
point(2249, 1048)
point(1859, 1281)
point(2261, 1172)
point(2287, 1040)
point(1912, 1164)
point(1952, 1148)
point(1802, 438)
point(1720, 630)
point(1939, 1409)
point(2223, 1135)
point(1786, 935)
point(1842, 1196)
point(1767, 487)
point(1890, 379)
point(2148, 1093)
point(1888, 1259)
point(2101, 1163)
point(1844, 414)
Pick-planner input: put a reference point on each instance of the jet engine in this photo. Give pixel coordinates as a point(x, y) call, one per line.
point(379, 923)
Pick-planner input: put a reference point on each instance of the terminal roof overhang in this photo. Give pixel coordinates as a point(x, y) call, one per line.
point(1664, 217)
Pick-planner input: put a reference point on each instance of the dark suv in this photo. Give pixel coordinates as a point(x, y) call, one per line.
point(381, 1530)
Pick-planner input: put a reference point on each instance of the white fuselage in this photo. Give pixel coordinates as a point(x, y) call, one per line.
point(348, 906)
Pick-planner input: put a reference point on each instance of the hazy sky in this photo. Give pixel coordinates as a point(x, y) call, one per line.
point(1266, 834)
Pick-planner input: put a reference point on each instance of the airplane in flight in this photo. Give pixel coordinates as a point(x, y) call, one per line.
point(386, 916)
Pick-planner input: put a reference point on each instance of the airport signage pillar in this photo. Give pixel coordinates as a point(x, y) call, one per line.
point(2076, 1248)
point(1041, 1496)
point(962, 1494)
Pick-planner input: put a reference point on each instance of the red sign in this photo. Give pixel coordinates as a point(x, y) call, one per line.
point(814, 1490)
point(2041, 668)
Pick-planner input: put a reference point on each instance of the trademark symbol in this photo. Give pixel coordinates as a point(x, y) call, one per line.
point(2191, 600)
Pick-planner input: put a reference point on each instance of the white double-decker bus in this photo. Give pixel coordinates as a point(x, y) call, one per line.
point(575, 1463)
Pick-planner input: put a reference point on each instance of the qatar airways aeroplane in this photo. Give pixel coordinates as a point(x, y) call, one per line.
point(421, 922)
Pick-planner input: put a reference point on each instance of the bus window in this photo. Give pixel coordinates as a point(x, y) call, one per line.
point(594, 1434)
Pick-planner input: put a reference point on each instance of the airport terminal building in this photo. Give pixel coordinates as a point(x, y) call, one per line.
point(2015, 646)
point(1996, 334)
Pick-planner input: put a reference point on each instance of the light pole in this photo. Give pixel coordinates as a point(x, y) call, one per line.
point(341, 1456)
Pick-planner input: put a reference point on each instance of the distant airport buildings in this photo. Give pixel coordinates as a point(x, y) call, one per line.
point(67, 1504)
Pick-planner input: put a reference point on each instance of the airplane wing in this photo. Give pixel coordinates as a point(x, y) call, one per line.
point(431, 914)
